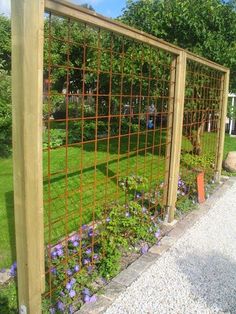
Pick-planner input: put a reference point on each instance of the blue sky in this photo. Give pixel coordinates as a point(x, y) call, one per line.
point(109, 8)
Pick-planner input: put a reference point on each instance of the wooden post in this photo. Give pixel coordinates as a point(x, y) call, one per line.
point(176, 140)
point(169, 129)
point(27, 75)
point(221, 134)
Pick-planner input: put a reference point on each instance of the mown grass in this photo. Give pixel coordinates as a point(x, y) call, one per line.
point(144, 164)
point(8, 299)
point(77, 188)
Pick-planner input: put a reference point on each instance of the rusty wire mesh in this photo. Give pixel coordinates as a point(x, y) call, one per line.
point(201, 123)
point(106, 110)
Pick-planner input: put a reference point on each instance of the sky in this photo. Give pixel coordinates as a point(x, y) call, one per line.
point(109, 8)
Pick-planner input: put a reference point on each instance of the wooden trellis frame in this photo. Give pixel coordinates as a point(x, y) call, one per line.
point(27, 73)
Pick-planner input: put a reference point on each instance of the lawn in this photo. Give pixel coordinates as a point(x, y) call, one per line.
point(88, 181)
point(144, 164)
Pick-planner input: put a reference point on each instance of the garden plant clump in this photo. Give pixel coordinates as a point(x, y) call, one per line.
point(83, 263)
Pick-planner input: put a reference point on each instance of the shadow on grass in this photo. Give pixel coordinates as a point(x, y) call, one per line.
point(9, 199)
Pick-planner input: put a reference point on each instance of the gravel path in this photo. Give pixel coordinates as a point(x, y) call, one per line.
point(197, 275)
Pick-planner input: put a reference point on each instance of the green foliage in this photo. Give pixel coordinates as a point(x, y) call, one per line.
point(133, 183)
point(206, 27)
point(185, 204)
point(198, 163)
point(8, 298)
point(5, 114)
point(127, 225)
point(5, 43)
point(57, 138)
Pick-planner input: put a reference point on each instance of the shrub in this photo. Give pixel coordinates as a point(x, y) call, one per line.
point(5, 114)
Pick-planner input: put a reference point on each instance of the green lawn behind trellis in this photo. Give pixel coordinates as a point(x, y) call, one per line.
point(7, 246)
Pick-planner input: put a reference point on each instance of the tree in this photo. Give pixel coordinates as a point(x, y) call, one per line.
point(205, 27)
point(5, 42)
point(5, 113)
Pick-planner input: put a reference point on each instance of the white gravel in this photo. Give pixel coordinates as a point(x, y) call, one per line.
point(197, 275)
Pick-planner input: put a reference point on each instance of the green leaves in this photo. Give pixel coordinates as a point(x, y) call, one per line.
point(5, 113)
point(207, 27)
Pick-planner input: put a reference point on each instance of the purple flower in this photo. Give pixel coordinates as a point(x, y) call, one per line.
point(54, 254)
point(60, 252)
point(75, 237)
point(71, 309)
point(72, 293)
point(54, 271)
point(158, 233)
point(13, 269)
point(88, 299)
point(86, 261)
point(86, 291)
point(60, 306)
point(127, 214)
point(72, 281)
point(76, 268)
point(84, 227)
point(58, 247)
point(91, 232)
point(144, 249)
point(88, 251)
point(75, 243)
point(138, 195)
point(52, 310)
point(108, 219)
point(69, 272)
point(95, 256)
point(90, 269)
point(3, 270)
point(68, 286)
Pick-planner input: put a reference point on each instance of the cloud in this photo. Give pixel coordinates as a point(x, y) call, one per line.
point(5, 6)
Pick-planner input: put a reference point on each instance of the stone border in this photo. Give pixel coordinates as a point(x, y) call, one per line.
point(173, 232)
point(5, 276)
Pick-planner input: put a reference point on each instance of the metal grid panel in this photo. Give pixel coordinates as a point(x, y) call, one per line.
point(201, 123)
point(106, 108)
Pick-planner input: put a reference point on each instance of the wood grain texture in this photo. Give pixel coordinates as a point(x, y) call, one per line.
point(27, 74)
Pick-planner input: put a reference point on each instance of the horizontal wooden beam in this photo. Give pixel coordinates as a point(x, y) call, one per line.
point(204, 61)
point(67, 9)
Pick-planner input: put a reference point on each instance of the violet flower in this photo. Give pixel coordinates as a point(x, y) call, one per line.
point(61, 306)
point(75, 243)
point(72, 293)
point(157, 234)
point(76, 268)
point(53, 270)
point(88, 299)
point(72, 281)
point(88, 251)
point(69, 272)
point(144, 249)
point(86, 261)
point(95, 256)
point(13, 269)
point(68, 286)
point(86, 291)
point(59, 252)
